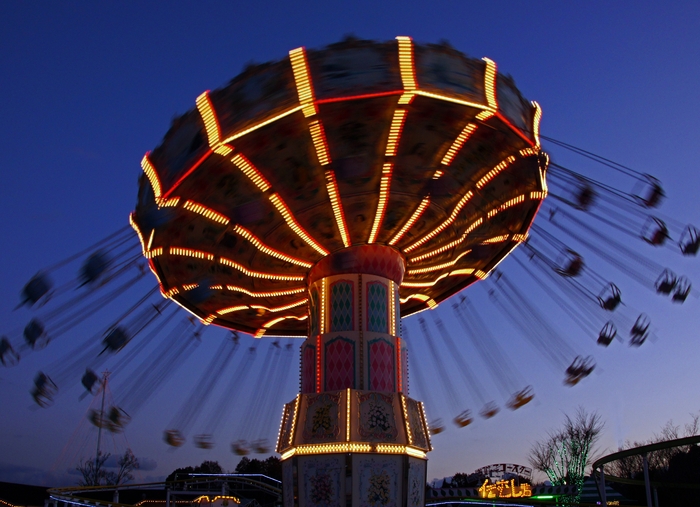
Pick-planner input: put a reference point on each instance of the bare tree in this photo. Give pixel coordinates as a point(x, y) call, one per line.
point(127, 463)
point(92, 470)
point(565, 454)
point(94, 474)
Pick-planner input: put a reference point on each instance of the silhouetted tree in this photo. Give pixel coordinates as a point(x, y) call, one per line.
point(272, 467)
point(94, 474)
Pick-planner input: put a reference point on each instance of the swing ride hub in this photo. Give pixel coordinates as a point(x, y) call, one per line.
point(326, 196)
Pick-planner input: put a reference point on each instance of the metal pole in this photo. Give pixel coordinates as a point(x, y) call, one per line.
point(656, 497)
point(603, 493)
point(646, 479)
point(99, 426)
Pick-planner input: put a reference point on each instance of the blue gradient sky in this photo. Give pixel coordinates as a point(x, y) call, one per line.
point(87, 89)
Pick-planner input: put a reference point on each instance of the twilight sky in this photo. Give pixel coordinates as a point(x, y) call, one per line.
point(87, 89)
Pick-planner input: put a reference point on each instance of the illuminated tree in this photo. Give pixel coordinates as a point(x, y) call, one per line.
point(565, 454)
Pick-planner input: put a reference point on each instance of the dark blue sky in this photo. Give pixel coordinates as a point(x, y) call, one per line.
point(88, 88)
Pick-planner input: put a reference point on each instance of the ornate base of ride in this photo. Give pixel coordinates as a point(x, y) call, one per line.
point(352, 437)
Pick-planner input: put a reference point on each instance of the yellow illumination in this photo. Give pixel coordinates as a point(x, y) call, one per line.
point(170, 293)
point(347, 415)
point(288, 454)
point(152, 177)
point(381, 205)
point(431, 303)
point(392, 302)
point(405, 418)
point(169, 203)
point(496, 239)
point(197, 254)
point(528, 152)
point(272, 294)
point(322, 325)
point(508, 204)
point(490, 83)
point(136, 229)
point(261, 124)
point(451, 99)
point(493, 172)
point(206, 110)
point(266, 249)
point(538, 195)
point(421, 297)
point(223, 150)
point(437, 174)
point(260, 332)
point(319, 138)
point(537, 117)
point(451, 244)
point(258, 274)
point(292, 223)
point(484, 115)
point(456, 272)
point(337, 206)
point(395, 132)
point(190, 286)
point(232, 309)
point(209, 319)
point(206, 212)
point(438, 267)
point(407, 69)
point(249, 170)
point(281, 308)
point(294, 420)
point(457, 144)
point(416, 215)
point(153, 253)
point(302, 81)
point(464, 200)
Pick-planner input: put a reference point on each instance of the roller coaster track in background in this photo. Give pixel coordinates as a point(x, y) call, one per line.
point(265, 490)
point(598, 470)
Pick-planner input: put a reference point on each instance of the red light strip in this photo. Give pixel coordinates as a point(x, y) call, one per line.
point(383, 197)
point(188, 172)
point(260, 332)
point(416, 215)
point(242, 231)
point(514, 129)
point(359, 97)
point(258, 274)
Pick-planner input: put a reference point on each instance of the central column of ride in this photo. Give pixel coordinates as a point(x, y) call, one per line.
point(351, 437)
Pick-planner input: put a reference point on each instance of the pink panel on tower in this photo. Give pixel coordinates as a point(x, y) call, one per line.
point(381, 366)
point(308, 369)
point(340, 364)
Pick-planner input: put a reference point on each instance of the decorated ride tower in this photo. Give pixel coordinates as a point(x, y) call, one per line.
point(326, 196)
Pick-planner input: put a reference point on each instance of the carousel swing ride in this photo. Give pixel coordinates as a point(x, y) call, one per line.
point(326, 196)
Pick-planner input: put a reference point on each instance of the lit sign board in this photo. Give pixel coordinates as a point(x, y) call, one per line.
point(498, 470)
point(504, 489)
